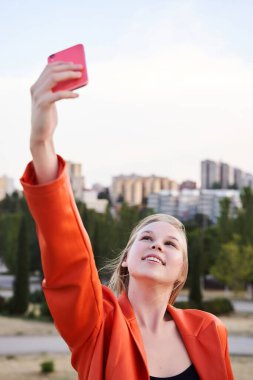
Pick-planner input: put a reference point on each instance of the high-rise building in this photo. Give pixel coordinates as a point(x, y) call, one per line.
point(238, 177)
point(248, 180)
point(227, 179)
point(216, 175)
point(210, 174)
point(243, 179)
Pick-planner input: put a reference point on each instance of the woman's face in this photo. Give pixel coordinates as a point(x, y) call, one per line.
point(156, 254)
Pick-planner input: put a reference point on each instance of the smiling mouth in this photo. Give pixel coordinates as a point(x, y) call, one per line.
point(153, 259)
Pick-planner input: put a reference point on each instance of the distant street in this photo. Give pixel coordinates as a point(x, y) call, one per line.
point(240, 345)
point(16, 345)
point(243, 306)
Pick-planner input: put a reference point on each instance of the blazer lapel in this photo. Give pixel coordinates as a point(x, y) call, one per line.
point(128, 312)
point(202, 343)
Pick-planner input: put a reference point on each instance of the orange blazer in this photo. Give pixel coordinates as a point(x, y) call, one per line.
point(101, 330)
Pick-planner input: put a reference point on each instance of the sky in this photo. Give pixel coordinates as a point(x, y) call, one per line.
point(170, 84)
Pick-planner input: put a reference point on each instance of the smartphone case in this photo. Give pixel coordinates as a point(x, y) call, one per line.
point(76, 55)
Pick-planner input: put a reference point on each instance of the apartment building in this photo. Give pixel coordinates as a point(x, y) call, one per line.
point(209, 202)
point(134, 189)
point(185, 204)
point(190, 185)
point(166, 201)
point(221, 175)
point(6, 186)
point(188, 204)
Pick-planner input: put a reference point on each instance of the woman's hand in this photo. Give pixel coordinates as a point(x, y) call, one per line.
point(44, 116)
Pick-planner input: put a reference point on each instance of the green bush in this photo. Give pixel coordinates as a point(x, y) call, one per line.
point(47, 367)
point(185, 305)
point(216, 306)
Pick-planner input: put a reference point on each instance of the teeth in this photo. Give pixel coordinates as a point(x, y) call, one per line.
point(153, 259)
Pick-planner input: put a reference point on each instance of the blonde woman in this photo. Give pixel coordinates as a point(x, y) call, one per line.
point(133, 333)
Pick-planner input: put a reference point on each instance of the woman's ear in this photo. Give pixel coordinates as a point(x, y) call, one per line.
point(124, 262)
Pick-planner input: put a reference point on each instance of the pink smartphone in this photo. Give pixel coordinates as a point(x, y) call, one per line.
point(76, 55)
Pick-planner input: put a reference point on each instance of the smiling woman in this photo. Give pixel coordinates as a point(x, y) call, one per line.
point(155, 239)
point(137, 333)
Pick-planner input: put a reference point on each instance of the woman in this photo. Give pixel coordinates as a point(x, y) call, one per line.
point(138, 335)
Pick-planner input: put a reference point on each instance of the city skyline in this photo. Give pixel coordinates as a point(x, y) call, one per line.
point(75, 171)
point(169, 84)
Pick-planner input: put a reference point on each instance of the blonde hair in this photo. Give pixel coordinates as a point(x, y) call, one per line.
point(120, 278)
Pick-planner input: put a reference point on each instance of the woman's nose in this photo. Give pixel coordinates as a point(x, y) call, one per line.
point(156, 246)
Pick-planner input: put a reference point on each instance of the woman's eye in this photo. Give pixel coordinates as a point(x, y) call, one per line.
point(170, 243)
point(146, 238)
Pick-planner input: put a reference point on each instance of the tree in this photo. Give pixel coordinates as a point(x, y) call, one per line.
point(127, 219)
point(225, 223)
point(10, 208)
point(234, 264)
point(101, 230)
point(19, 303)
point(195, 266)
point(244, 221)
point(10, 203)
point(211, 246)
point(9, 229)
point(248, 266)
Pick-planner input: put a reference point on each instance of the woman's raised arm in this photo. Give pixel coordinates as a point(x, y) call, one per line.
point(71, 282)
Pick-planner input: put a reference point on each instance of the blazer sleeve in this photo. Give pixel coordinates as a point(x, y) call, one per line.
point(71, 283)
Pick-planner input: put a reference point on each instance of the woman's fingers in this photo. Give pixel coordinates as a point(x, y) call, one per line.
point(60, 66)
point(54, 73)
point(63, 95)
point(63, 66)
point(51, 80)
point(47, 98)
